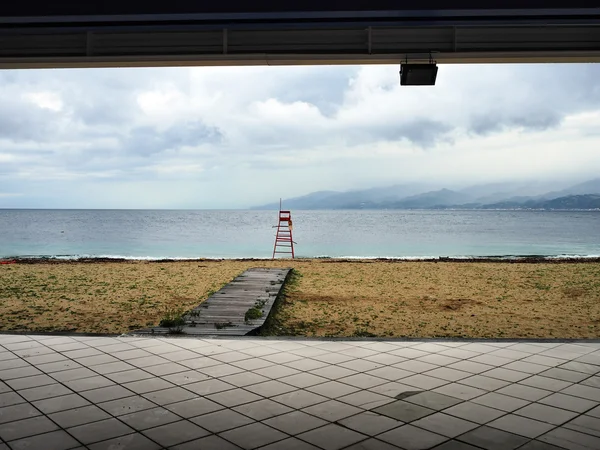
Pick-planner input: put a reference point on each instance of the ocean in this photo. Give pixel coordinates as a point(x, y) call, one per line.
point(162, 234)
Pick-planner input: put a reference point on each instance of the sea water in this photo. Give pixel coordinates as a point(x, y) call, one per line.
point(157, 234)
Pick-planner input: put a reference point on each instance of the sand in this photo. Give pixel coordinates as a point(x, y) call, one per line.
point(326, 297)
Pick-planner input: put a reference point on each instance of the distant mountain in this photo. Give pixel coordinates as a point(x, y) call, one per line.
point(421, 196)
point(588, 187)
point(443, 197)
point(588, 201)
point(367, 198)
point(496, 192)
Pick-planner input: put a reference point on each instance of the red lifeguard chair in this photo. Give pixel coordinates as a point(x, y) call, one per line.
point(284, 243)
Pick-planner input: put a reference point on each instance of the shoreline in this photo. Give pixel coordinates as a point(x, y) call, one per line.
point(508, 259)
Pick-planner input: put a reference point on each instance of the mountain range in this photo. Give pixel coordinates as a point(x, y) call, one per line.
point(535, 195)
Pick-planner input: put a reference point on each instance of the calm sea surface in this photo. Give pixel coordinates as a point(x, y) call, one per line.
point(245, 234)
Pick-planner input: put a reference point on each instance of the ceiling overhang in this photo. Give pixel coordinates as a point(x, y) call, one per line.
point(133, 33)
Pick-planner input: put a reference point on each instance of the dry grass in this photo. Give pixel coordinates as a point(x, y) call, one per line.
point(328, 298)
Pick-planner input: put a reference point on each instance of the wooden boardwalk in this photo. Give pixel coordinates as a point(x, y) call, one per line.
point(225, 312)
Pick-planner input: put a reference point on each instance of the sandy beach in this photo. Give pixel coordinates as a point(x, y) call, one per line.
point(325, 298)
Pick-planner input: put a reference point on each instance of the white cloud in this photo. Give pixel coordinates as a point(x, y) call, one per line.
point(233, 137)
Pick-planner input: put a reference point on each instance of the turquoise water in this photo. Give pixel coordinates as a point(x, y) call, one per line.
point(250, 234)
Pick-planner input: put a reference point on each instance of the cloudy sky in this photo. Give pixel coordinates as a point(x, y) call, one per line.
point(234, 137)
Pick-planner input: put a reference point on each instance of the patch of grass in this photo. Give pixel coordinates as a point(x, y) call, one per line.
point(253, 314)
point(173, 320)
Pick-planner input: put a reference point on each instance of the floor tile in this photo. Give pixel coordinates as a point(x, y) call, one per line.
point(73, 374)
point(474, 412)
point(412, 438)
point(209, 387)
point(415, 366)
point(126, 405)
point(171, 395)
point(448, 374)
point(55, 404)
point(525, 392)
point(86, 384)
point(113, 367)
point(483, 382)
point(501, 373)
point(134, 441)
point(99, 431)
point(270, 388)
point(403, 411)
point(290, 444)
point(445, 424)
point(10, 398)
point(332, 437)
point(439, 360)
point(424, 381)
point(244, 379)
point(42, 392)
point(148, 385)
point(17, 412)
point(370, 423)
point(332, 389)
point(296, 422)
point(499, 401)
point(30, 382)
point(175, 433)
point(546, 413)
point(299, 399)
point(493, 439)
point(392, 389)
point(303, 380)
point(333, 372)
point(433, 400)
point(166, 369)
point(278, 372)
point(234, 397)
point(390, 373)
point(332, 410)
point(365, 399)
point(455, 445)
point(149, 418)
point(193, 407)
point(223, 420)
point(206, 443)
point(262, 409)
point(221, 370)
point(459, 391)
point(128, 376)
point(361, 365)
point(253, 436)
point(470, 366)
point(27, 427)
point(550, 384)
point(55, 440)
point(520, 425)
point(538, 445)
point(565, 438)
point(106, 393)
point(586, 392)
point(564, 375)
point(568, 402)
point(585, 424)
point(79, 416)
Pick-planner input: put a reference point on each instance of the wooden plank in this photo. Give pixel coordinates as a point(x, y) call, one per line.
point(223, 313)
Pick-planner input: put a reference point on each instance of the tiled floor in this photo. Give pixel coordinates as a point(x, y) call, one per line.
point(147, 393)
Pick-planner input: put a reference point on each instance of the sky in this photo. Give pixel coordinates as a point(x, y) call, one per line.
point(234, 137)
